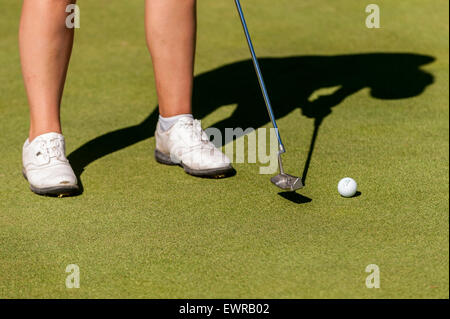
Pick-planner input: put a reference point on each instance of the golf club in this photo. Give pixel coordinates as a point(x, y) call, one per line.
point(282, 180)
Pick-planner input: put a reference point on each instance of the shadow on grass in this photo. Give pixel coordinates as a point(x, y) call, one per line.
point(295, 197)
point(292, 82)
point(358, 193)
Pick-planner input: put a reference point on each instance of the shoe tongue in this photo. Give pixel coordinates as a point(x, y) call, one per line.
point(46, 137)
point(186, 120)
point(50, 136)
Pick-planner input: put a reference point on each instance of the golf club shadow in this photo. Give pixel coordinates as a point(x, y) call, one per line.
point(294, 83)
point(295, 197)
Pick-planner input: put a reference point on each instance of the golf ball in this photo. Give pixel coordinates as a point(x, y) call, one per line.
point(347, 187)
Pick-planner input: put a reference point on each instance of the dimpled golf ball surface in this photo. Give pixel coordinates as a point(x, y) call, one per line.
point(347, 187)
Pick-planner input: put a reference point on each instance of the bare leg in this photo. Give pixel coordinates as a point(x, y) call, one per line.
point(171, 38)
point(45, 47)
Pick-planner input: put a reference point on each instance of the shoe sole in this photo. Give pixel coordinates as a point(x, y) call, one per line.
point(57, 191)
point(210, 173)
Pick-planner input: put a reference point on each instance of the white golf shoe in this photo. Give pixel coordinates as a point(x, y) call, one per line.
point(187, 145)
point(46, 167)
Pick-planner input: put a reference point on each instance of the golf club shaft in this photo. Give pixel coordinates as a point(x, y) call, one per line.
point(260, 77)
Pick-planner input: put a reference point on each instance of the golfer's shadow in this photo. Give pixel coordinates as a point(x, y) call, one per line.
point(293, 83)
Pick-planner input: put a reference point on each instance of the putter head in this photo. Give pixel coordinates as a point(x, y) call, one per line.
point(287, 182)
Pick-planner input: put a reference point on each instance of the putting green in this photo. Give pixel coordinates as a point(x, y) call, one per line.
point(380, 102)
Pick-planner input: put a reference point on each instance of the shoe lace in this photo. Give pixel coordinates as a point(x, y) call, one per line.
point(49, 149)
point(195, 128)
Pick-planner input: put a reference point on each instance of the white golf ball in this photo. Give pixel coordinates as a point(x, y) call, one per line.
point(347, 187)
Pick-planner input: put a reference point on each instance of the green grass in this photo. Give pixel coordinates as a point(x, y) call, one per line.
point(142, 230)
